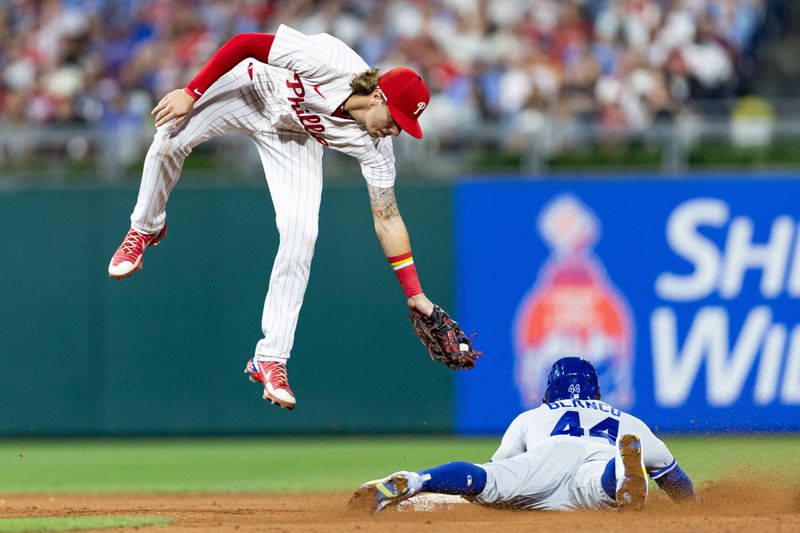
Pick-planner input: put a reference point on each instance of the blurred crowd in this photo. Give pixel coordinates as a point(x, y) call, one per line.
point(513, 63)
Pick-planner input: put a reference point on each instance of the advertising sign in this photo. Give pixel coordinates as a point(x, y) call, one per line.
point(685, 295)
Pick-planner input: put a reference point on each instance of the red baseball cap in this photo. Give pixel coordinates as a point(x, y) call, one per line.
point(407, 96)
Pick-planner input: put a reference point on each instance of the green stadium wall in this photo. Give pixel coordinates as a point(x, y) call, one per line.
point(162, 353)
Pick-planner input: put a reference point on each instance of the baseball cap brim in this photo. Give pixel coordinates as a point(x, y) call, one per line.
point(408, 124)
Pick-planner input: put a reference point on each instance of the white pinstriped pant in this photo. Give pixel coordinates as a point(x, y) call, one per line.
point(293, 166)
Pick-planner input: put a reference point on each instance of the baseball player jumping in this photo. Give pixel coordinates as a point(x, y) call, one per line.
point(292, 94)
point(572, 452)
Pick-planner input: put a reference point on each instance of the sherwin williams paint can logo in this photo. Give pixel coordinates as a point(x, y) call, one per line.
point(573, 309)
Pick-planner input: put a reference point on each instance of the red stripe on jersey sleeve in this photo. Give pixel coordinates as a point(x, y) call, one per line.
point(240, 47)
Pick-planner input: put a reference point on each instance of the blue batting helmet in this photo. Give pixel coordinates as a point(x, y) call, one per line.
point(572, 378)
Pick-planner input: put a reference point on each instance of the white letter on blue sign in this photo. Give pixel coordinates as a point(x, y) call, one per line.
point(769, 368)
point(741, 254)
point(790, 392)
point(676, 372)
point(793, 285)
point(687, 242)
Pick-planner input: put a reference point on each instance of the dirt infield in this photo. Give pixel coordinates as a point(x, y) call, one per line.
point(721, 506)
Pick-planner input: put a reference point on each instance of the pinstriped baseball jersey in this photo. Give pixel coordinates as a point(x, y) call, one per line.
point(287, 109)
point(306, 82)
point(585, 419)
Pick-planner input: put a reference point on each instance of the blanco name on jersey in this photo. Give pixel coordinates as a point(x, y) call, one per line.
point(585, 404)
point(585, 419)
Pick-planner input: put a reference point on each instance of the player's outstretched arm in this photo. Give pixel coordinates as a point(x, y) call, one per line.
point(393, 236)
point(177, 104)
point(662, 465)
point(445, 341)
point(677, 484)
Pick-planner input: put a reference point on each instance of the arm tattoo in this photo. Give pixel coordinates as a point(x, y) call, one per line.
point(384, 204)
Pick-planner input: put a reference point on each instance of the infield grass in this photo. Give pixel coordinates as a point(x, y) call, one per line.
point(314, 464)
point(20, 525)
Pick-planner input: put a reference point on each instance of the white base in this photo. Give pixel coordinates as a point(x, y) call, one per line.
point(430, 502)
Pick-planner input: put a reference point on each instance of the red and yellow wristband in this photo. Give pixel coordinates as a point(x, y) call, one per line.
point(406, 272)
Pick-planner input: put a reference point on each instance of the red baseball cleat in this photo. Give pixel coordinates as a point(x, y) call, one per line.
point(272, 375)
point(130, 255)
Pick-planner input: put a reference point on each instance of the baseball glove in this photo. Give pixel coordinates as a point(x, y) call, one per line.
point(444, 339)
